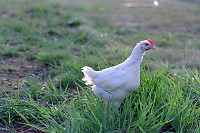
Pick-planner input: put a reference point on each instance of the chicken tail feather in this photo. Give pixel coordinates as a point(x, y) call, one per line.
point(88, 75)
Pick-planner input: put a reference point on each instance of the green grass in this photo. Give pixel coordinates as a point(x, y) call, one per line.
point(65, 36)
point(11, 52)
point(161, 100)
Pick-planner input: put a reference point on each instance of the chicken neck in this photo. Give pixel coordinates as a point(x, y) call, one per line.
point(137, 54)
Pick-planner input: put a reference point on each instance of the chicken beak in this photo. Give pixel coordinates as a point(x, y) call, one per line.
point(153, 47)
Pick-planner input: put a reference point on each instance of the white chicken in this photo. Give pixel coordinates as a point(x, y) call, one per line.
point(118, 81)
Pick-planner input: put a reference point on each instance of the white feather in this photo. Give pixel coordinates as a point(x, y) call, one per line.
point(118, 81)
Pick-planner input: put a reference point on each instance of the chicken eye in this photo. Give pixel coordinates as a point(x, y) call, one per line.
point(146, 44)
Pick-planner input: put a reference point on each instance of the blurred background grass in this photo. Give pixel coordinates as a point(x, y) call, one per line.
point(27, 29)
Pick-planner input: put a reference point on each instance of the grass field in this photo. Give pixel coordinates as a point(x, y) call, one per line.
point(43, 45)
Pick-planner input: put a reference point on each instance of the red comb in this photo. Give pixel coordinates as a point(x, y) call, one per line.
point(151, 41)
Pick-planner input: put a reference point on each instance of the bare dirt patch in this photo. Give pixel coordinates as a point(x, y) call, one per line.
point(20, 128)
point(15, 69)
